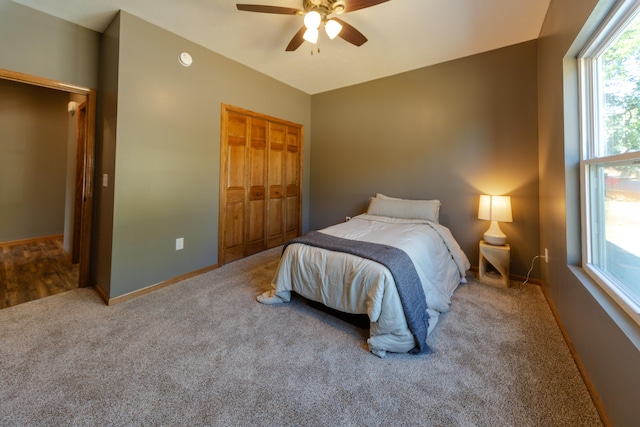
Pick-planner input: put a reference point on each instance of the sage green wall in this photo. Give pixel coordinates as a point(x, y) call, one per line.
point(451, 132)
point(606, 339)
point(35, 43)
point(167, 145)
point(33, 161)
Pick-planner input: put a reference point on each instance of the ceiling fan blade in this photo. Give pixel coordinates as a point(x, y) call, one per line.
point(297, 40)
point(268, 9)
point(350, 34)
point(352, 5)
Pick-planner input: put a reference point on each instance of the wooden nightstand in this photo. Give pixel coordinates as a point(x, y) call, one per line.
point(499, 257)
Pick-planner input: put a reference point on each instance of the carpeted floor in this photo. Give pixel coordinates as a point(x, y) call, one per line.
point(204, 352)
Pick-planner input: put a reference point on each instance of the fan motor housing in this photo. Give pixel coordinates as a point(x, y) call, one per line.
point(324, 7)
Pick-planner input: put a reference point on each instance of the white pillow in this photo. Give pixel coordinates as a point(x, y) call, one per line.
point(407, 209)
point(434, 201)
point(382, 196)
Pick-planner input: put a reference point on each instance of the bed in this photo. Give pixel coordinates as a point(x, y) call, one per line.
point(341, 267)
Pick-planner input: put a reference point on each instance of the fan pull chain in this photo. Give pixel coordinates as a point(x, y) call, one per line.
point(318, 48)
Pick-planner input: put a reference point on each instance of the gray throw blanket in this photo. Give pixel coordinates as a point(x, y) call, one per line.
point(402, 269)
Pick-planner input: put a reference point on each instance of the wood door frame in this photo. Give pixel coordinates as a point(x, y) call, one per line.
point(86, 168)
point(81, 138)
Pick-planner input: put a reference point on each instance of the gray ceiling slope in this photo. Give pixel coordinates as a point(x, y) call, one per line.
point(403, 34)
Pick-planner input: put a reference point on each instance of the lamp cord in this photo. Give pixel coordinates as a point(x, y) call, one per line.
point(531, 269)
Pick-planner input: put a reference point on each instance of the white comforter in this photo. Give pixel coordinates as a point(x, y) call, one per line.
point(355, 285)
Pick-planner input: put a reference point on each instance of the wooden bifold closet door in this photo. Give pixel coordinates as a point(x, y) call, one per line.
point(260, 182)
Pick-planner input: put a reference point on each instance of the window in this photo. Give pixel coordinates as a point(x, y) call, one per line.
point(610, 161)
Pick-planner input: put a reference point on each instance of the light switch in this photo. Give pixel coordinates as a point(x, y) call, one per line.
point(105, 180)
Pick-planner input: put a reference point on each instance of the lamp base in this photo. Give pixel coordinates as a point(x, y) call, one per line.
point(495, 236)
point(495, 241)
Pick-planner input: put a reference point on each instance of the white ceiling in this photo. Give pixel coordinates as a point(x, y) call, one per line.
point(403, 34)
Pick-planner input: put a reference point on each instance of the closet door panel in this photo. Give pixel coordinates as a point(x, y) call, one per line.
point(234, 168)
point(236, 152)
point(234, 235)
point(275, 213)
point(292, 218)
point(276, 237)
point(256, 233)
point(292, 181)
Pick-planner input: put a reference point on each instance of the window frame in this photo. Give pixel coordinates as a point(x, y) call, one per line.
point(590, 101)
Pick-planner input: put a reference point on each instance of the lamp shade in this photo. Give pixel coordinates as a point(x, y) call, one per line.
point(494, 209)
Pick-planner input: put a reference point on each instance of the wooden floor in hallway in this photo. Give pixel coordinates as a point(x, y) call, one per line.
point(35, 269)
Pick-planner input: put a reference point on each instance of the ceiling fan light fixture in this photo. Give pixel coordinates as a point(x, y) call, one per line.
point(316, 13)
point(311, 35)
point(312, 20)
point(332, 28)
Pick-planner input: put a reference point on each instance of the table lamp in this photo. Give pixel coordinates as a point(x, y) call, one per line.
point(494, 209)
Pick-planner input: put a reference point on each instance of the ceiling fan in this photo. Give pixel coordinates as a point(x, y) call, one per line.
point(317, 12)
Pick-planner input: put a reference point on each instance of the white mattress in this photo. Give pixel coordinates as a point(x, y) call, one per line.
point(352, 284)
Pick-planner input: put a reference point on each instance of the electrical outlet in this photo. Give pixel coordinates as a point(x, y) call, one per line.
point(546, 255)
point(179, 243)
